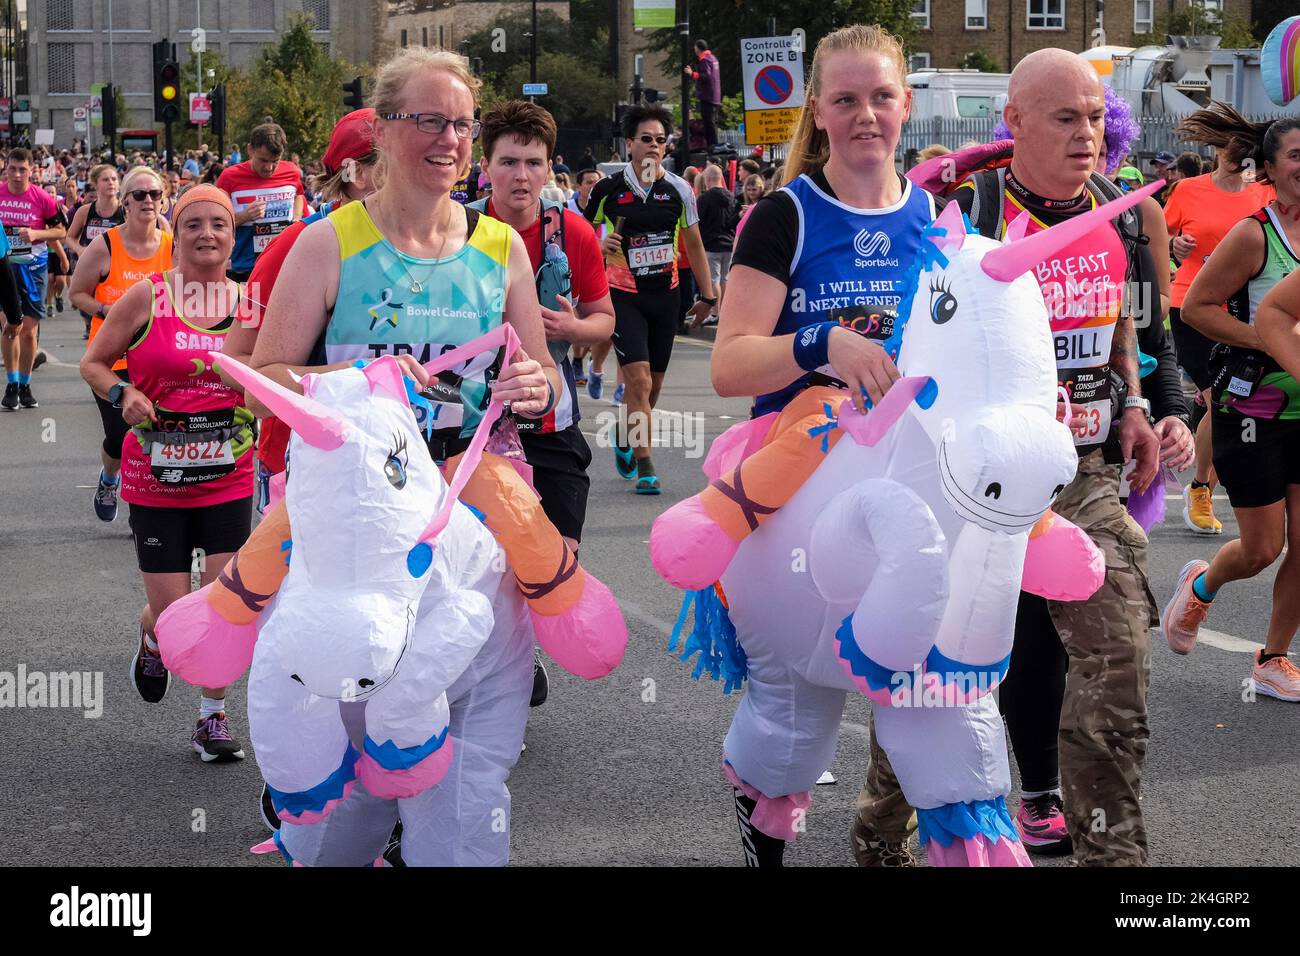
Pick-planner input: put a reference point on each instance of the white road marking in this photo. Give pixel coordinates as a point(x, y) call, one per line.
point(682, 340)
point(1226, 642)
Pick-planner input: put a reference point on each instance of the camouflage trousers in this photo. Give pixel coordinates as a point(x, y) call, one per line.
point(1104, 726)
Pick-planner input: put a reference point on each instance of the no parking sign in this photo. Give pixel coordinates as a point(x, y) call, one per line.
point(773, 74)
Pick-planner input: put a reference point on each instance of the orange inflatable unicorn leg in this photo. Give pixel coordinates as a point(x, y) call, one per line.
point(207, 637)
point(692, 543)
point(575, 617)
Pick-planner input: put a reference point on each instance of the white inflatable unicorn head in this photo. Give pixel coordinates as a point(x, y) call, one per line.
point(361, 491)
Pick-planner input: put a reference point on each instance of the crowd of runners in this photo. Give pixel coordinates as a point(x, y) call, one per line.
point(404, 240)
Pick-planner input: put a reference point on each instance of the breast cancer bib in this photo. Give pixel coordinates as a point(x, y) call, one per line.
point(1083, 288)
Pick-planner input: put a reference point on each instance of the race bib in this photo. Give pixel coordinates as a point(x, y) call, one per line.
point(17, 245)
point(191, 463)
point(1091, 389)
point(651, 252)
point(275, 217)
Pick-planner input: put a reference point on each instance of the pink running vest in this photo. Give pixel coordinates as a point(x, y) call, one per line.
point(198, 450)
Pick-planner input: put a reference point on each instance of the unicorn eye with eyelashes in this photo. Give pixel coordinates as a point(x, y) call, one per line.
point(943, 305)
point(396, 462)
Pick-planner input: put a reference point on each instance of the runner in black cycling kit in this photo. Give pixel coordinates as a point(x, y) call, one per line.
point(644, 222)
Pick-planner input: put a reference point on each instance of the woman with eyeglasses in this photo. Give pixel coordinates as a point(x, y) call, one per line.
point(109, 265)
point(645, 208)
point(410, 272)
point(187, 459)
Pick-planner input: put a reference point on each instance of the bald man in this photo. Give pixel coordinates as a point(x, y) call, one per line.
point(1094, 655)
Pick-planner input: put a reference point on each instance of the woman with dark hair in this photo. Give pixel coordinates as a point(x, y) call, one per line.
point(1255, 401)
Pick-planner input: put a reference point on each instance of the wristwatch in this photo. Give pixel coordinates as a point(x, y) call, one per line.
point(115, 393)
point(705, 299)
point(1142, 403)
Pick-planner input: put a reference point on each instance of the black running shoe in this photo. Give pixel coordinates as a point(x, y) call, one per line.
point(106, 499)
point(213, 742)
point(269, 817)
point(148, 674)
point(541, 683)
point(25, 397)
point(40, 360)
point(58, 304)
point(10, 402)
point(393, 852)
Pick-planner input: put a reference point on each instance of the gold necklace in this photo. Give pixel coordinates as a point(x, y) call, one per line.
point(416, 286)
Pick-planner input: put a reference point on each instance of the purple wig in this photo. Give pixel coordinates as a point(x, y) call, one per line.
point(1122, 130)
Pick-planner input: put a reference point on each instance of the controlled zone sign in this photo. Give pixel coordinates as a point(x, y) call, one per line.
point(772, 68)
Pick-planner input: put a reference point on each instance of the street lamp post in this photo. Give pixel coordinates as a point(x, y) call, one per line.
point(684, 144)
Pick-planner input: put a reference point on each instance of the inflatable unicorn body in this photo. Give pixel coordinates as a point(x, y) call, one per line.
point(885, 553)
point(392, 661)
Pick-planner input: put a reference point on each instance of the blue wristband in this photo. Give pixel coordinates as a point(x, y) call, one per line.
point(811, 344)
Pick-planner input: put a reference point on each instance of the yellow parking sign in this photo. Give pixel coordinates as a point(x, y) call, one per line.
point(768, 127)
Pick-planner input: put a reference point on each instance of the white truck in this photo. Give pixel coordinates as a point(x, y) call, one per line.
point(957, 94)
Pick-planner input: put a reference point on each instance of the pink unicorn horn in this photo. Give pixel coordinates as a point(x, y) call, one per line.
point(1014, 258)
point(314, 423)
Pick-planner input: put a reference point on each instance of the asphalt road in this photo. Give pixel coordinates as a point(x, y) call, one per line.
point(621, 771)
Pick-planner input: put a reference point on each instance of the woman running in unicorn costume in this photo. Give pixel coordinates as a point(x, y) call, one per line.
point(412, 278)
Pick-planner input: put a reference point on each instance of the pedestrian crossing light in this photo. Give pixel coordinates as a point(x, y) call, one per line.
point(353, 90)
point(166, 82)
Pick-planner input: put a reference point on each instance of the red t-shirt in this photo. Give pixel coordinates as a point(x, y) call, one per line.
point(587, 284)
point(280, 192)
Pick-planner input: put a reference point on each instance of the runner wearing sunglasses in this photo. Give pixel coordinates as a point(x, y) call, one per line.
point(645, 208)
point(109, 266)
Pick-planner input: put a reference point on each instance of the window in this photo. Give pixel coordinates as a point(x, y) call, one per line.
point(320, 10)
point(971, 106)
point(921, 14)
point(1143, 16)
point(917, 62)
point(424, 34)
point(1046, 15)
point(59, 15)
point(403, 39)
point(62, 66)
point(261, 15)
point(977, 14)
point(1215, 5)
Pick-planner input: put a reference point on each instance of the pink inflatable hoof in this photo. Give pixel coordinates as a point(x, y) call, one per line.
point(200, 646)
point(778, 817)
point(977, 851)
point(1062, 563)
point(398, 784)
point(687, 548)
point(588, 639)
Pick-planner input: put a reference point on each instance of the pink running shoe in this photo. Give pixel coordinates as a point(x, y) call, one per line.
point(1042, 825)
point(1278, 677)
point(1185, 612)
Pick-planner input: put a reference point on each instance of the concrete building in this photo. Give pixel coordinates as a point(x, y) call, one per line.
point(443, 24)
point(1008, 29)
point(70, 45)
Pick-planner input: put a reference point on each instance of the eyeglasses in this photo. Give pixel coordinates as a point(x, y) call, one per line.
point(139, 194)
point(648, 139)
point(435, 123)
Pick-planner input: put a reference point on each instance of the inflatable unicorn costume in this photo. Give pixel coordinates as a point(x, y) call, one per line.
point(885, 553)
point(389, 631)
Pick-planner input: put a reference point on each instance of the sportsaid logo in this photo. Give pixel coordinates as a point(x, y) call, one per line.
point(873, 248)
point(809, 337)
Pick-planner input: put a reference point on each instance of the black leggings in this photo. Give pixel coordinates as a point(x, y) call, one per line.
point(1031, 696)
point(115, 427)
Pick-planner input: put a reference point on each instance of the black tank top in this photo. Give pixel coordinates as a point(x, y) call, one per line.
point(96, 225)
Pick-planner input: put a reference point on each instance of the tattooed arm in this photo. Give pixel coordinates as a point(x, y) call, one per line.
point(1124, 357)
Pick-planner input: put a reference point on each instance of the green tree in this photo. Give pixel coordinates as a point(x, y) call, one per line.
point(979, 60)
point(724, 23)
point(577, 92)
point(297, 85)
point(1235, 30)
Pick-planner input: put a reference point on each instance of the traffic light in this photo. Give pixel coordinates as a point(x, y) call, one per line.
point(654, 96)
point(166, 82)
point(218, 100)
point(108, 113)
point(353, 99)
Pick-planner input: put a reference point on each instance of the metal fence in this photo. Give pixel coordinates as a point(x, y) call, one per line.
point(1157, 134)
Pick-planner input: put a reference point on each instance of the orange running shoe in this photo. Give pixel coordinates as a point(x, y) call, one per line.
point(1185, 612)
point(1198, 511)
point(1277, 678)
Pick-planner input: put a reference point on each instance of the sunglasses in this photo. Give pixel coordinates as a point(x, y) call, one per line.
point(139, 195)
point(648, 139)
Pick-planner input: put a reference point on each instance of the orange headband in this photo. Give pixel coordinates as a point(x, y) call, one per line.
point(205, 192)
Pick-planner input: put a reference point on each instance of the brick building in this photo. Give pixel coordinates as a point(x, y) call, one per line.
point(1008, 29)
point(443, 24)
